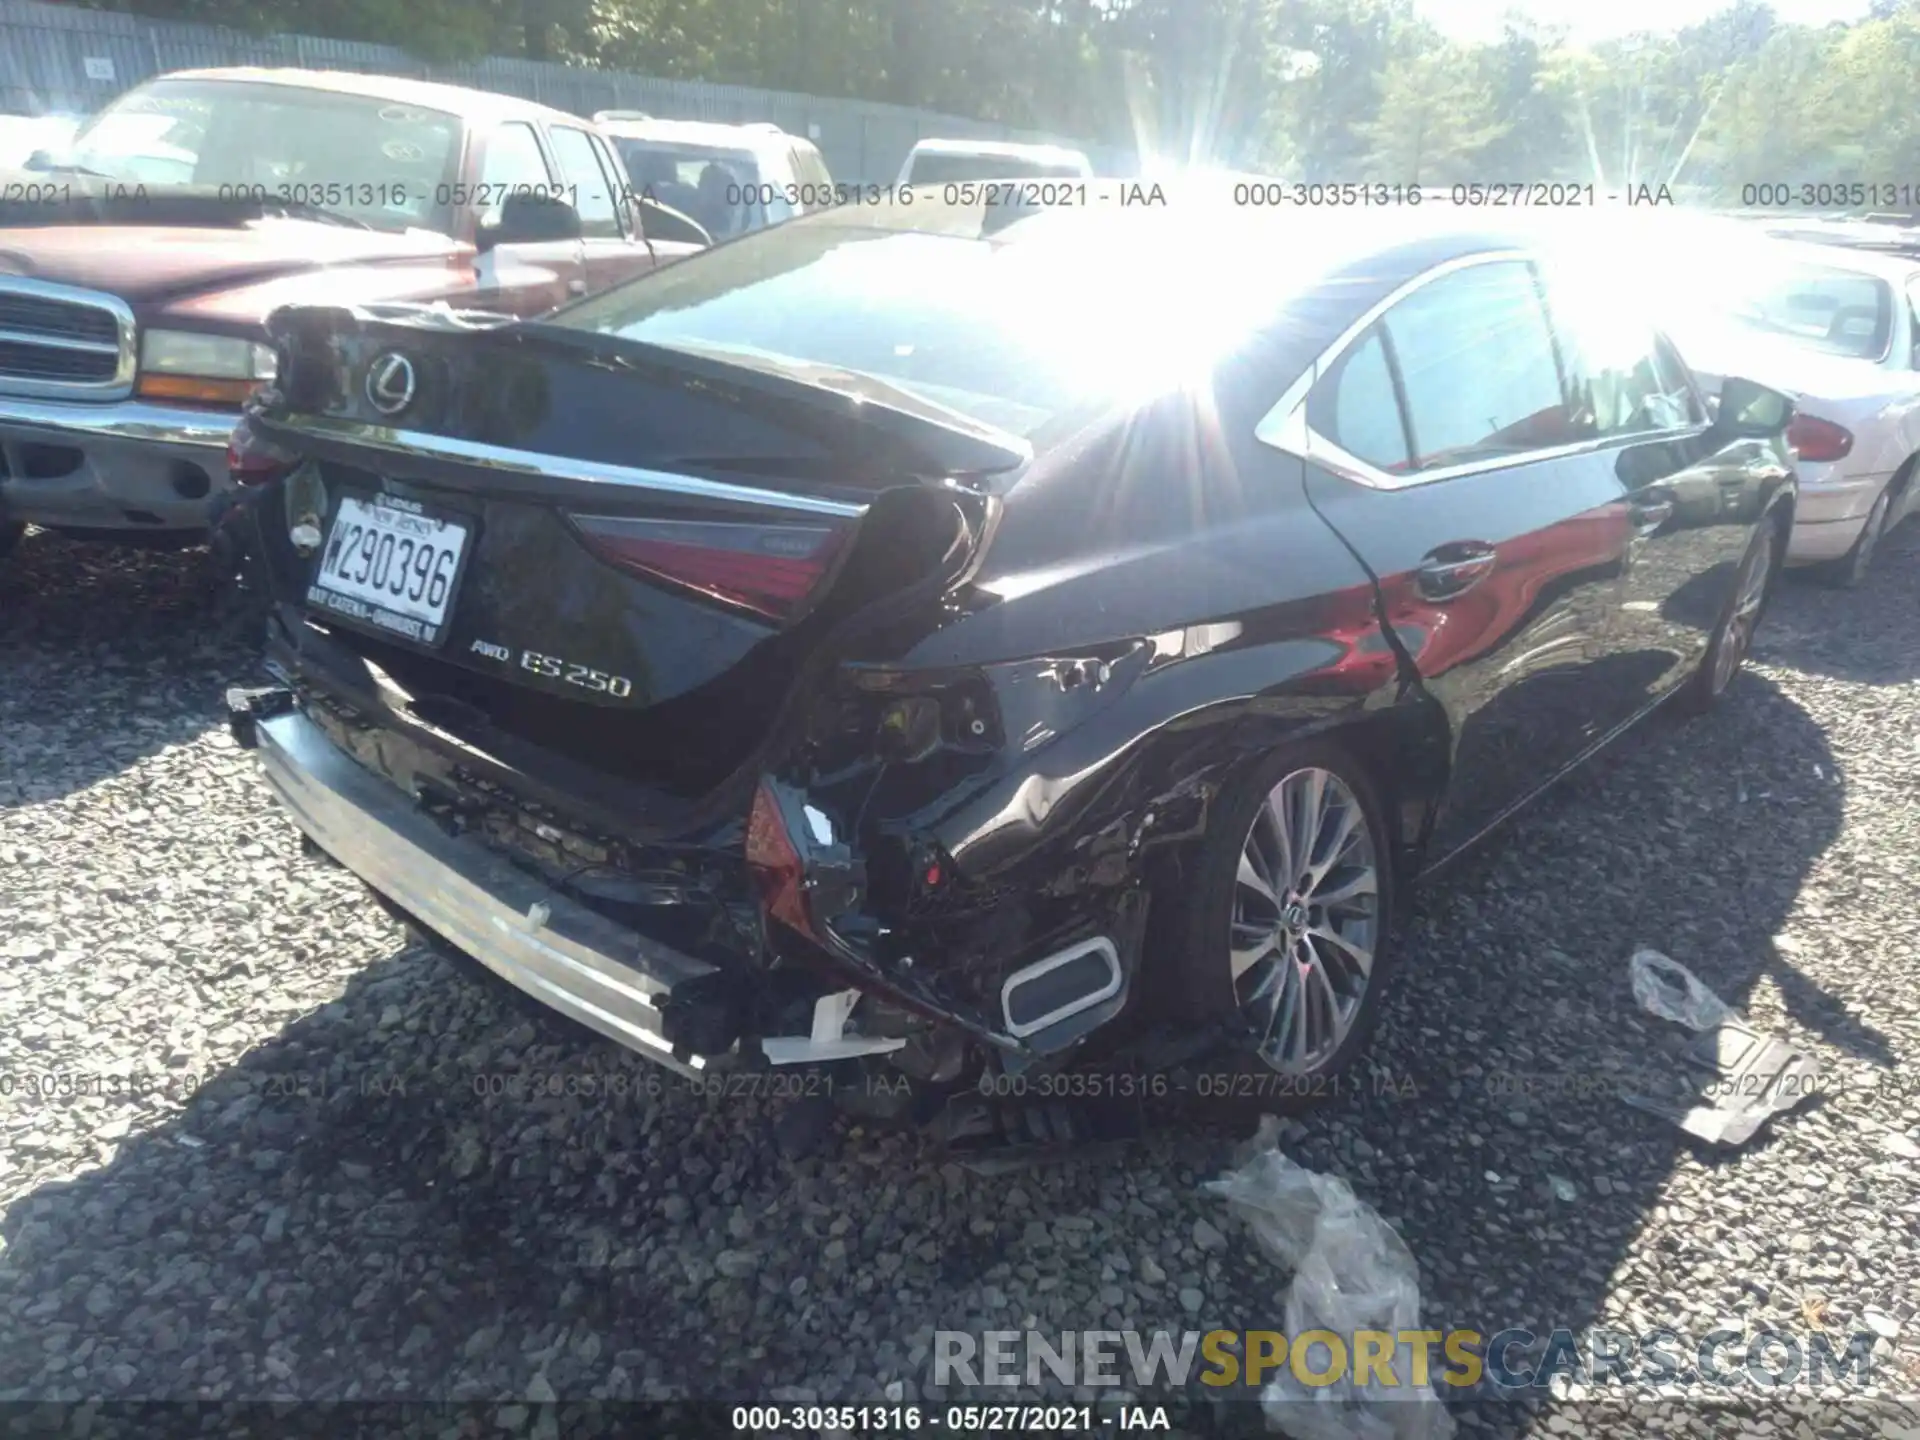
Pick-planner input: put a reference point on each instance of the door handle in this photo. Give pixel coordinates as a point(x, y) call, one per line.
point(1447, 571)
point(1650, 512)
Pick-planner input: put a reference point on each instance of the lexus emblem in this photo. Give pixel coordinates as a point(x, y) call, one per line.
point(390, 383)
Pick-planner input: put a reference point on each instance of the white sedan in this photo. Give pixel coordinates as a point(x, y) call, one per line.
point(1833, 325)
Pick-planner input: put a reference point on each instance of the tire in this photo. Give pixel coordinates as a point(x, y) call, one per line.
point(1850, 569)
point(1249, 992)
point(1733, 636)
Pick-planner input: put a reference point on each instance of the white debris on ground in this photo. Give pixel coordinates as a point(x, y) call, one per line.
point(1351, 1272)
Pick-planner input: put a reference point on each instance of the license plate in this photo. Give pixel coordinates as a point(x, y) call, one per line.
point(390, 564)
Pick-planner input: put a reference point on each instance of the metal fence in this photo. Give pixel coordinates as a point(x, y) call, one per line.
point(55, 58)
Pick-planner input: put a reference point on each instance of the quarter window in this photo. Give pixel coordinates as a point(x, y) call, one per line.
point(587, 183)
point(1357, 409)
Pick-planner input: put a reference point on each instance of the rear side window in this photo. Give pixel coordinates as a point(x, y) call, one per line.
point(590, 190)
point(513, 164)
point(1477, 367)
point(1357, 409)
point(1621, 378)
point(813, 172)
point(1913, 323)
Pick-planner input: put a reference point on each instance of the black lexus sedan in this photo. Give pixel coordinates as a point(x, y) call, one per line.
point(950, 642)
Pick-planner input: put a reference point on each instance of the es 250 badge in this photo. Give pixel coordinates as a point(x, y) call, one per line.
point(553, 667)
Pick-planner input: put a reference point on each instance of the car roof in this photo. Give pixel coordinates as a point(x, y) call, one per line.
point(1007, 149)
point(1857, 248)
point(704, 132)
point(473, 105)
point(1375, 259)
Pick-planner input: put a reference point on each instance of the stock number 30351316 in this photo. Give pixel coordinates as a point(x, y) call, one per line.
point(883, 1419)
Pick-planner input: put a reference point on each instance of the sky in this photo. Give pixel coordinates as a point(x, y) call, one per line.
point(1590, 20)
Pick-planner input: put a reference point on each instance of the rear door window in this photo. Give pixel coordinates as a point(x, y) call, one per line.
point(589, 189)
point(1477, 367)
point(513, 165)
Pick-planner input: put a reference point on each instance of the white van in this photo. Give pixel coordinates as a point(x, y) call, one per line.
point(941, 162)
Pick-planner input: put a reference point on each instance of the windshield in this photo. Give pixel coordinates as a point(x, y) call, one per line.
point(382, 164)
point(930, 168)
point(715, 186)
point(1030, 336)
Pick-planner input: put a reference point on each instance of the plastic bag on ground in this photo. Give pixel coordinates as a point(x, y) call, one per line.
point(1666, 988)
point(1351, 1271)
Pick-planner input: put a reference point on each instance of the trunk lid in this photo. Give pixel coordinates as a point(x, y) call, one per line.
point(618, 553)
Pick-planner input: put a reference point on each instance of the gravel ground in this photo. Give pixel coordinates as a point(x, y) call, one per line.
point(301, 1186)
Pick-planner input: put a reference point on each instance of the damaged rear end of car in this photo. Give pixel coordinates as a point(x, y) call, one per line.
point(546, 657)
point(763, 711)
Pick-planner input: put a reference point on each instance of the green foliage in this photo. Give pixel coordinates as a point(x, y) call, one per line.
point(1435, 121)
point(1311, 89)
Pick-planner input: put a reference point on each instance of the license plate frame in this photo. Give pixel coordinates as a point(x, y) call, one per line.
point(370, 614)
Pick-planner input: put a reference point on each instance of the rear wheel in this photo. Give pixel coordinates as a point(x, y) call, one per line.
point(1733, 637)
point(1851, 568)
point(1289, 935)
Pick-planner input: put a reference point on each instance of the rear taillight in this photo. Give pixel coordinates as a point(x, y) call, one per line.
point(768, 569)
point(778, 872)
point(254, 460)
point(1812, 438)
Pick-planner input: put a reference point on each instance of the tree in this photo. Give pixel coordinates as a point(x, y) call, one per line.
point(1436, 118)
point(1528, 78)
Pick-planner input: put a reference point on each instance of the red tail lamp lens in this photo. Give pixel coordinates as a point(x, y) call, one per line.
point(1816, 439)
point(768, 569)
point(776, 865)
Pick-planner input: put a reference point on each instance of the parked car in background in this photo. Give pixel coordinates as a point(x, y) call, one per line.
point(899, 637)
point(1827, 315)
point(135, 297)
point(941, 162)
point(731, 178)
point(22, 137)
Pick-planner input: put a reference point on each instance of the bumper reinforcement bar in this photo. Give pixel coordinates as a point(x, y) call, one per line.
point(607, 977)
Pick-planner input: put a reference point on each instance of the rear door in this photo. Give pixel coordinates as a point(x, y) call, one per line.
point(1692, 496)
point(1442, 449)
point(520, 279)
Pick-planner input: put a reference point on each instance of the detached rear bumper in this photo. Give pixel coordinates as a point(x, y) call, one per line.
point(607, 977)
point(124, 465)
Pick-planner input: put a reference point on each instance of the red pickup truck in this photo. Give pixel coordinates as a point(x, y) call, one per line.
point(137, 268)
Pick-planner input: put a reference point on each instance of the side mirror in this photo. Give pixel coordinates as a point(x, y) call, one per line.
point(530, 218)
point(39, 160)
point(1751, 410)
point(663, 222)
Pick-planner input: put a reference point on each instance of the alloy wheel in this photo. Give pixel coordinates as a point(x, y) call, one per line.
point(1744, 619)
point(1306, 920)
